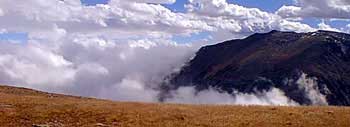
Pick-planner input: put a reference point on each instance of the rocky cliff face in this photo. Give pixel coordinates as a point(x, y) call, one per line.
point(311, 68)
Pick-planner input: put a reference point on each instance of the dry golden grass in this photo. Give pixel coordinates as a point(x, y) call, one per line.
point(26, 108)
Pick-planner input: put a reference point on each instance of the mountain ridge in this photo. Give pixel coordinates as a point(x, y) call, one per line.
point(278, 59)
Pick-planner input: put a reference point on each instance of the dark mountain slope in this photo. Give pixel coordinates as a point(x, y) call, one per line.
point(302, 65)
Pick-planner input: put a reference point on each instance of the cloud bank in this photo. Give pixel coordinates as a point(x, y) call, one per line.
point(189, 95)
point(97, 68)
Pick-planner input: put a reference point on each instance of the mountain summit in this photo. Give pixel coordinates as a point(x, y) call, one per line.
point(311, 68)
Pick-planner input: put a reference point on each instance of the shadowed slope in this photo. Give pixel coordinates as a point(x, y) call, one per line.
point(285, 60)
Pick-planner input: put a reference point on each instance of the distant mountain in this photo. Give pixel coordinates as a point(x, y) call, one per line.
point(311, 68)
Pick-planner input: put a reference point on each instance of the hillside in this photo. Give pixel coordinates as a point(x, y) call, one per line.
point(310, 68)
point(25, 107)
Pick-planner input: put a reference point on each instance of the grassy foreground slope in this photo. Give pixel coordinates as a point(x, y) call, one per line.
point(25, 107)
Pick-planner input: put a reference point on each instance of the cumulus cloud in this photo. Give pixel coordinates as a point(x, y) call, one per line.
point(324, 26)
point(134, 18)
point(120, 17)
point(157, 1)
point(338, 9)
point(236, 19)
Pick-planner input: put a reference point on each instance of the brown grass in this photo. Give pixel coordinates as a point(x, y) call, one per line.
point(26, 108)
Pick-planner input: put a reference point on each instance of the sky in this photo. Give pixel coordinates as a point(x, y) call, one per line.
point(265, 5)
point(270, 6)
point(179, 4)
point(124, 49)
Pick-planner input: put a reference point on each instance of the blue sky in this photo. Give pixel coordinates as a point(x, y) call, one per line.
point(272, 5)
point(94, 2)
point(18, 37)
point(265, 5)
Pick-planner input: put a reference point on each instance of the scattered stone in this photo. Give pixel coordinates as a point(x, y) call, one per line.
point(100, 125)
point(289, 123)
point(273, 108)
point(329, 112)
point(5, 106)
point(40, 125)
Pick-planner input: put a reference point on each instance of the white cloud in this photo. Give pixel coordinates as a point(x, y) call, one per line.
point(117, 17)
point(190, 96)
point(130, 89)
point(33, 66)
point(324, 26)
point(133, 19)
point(347, 28)
point(1, 12)
point(156, 1)
point(89, 68)
point(311, 88)
point(289, 11)
point(338, 9)
point(235, 19)
point(3, 31)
